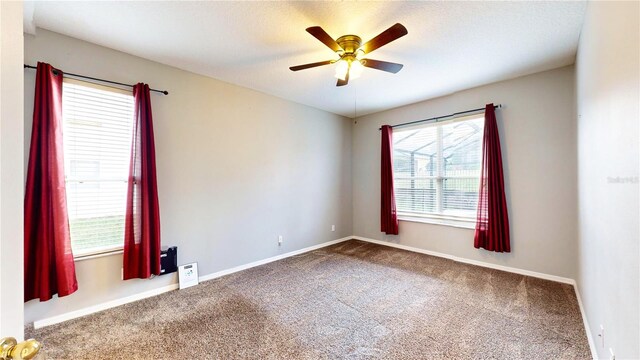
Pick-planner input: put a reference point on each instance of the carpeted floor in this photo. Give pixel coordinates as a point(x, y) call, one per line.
point(353, 300)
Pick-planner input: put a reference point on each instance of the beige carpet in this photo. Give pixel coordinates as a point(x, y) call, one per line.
point(353, 300)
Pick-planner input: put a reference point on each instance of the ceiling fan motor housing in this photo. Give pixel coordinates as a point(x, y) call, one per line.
point(350, 44)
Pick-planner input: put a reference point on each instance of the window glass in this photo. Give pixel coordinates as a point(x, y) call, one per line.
point(97, 130)
point(437, 168)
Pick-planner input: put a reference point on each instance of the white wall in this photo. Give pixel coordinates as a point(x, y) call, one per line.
point(608, 168)
point(537, 129)
point(236, 168)
point(11, 186)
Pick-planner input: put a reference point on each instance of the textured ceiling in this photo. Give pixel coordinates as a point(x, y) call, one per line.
point(451, 46)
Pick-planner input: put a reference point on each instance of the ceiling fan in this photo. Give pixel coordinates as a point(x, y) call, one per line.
point(350, 49)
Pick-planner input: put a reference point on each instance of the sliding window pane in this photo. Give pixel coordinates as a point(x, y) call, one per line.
point(460, 196)
point(462, 148)
point(415, 195)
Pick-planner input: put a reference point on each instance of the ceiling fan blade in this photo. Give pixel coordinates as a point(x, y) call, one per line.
point(382, 65)
point(387, 36)
point(343, 82)
point(307, 66)
point(322, 35)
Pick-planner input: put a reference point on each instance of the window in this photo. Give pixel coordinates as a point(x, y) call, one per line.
point(437, 169)
point(97, 130)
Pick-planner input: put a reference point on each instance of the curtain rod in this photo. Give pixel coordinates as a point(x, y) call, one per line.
point(98, 79)
point(438, 118)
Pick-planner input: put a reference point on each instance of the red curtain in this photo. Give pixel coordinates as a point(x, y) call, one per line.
point(48, 260)
point(142, 221)
point(492, 226)
point(388, 215)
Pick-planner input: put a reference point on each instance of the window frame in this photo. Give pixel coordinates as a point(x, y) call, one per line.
point(439, 217)
point(104, 250)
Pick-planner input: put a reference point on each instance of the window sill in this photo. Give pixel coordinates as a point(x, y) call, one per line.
point(463, 224)
point(100, 254)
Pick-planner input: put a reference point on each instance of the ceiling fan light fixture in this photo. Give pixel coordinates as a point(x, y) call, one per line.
point(356, 69)
point(342, 68)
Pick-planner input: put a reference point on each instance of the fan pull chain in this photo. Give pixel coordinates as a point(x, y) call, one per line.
point(355, 104)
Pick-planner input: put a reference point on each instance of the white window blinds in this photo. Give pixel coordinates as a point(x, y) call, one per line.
point(97, 130)
point(437, 168)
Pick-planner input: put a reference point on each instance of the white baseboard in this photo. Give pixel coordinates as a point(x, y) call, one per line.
point(592, 344)
point(271, 259)
point(102, 306)
point(143, 295)
point(472, 262)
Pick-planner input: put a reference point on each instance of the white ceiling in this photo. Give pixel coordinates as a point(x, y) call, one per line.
point(451, 46)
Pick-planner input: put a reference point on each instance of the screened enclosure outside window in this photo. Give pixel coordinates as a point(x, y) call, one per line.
point(436, 168)
point(97, 130)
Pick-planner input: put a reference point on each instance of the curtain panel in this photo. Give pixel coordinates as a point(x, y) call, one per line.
point(492, 225)
point(388, 214)
point(142, 219)
point(49, 267)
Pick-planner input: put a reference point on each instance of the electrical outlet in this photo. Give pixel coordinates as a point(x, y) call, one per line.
point(601, 335)
point(280, 240)
point(333, 228)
